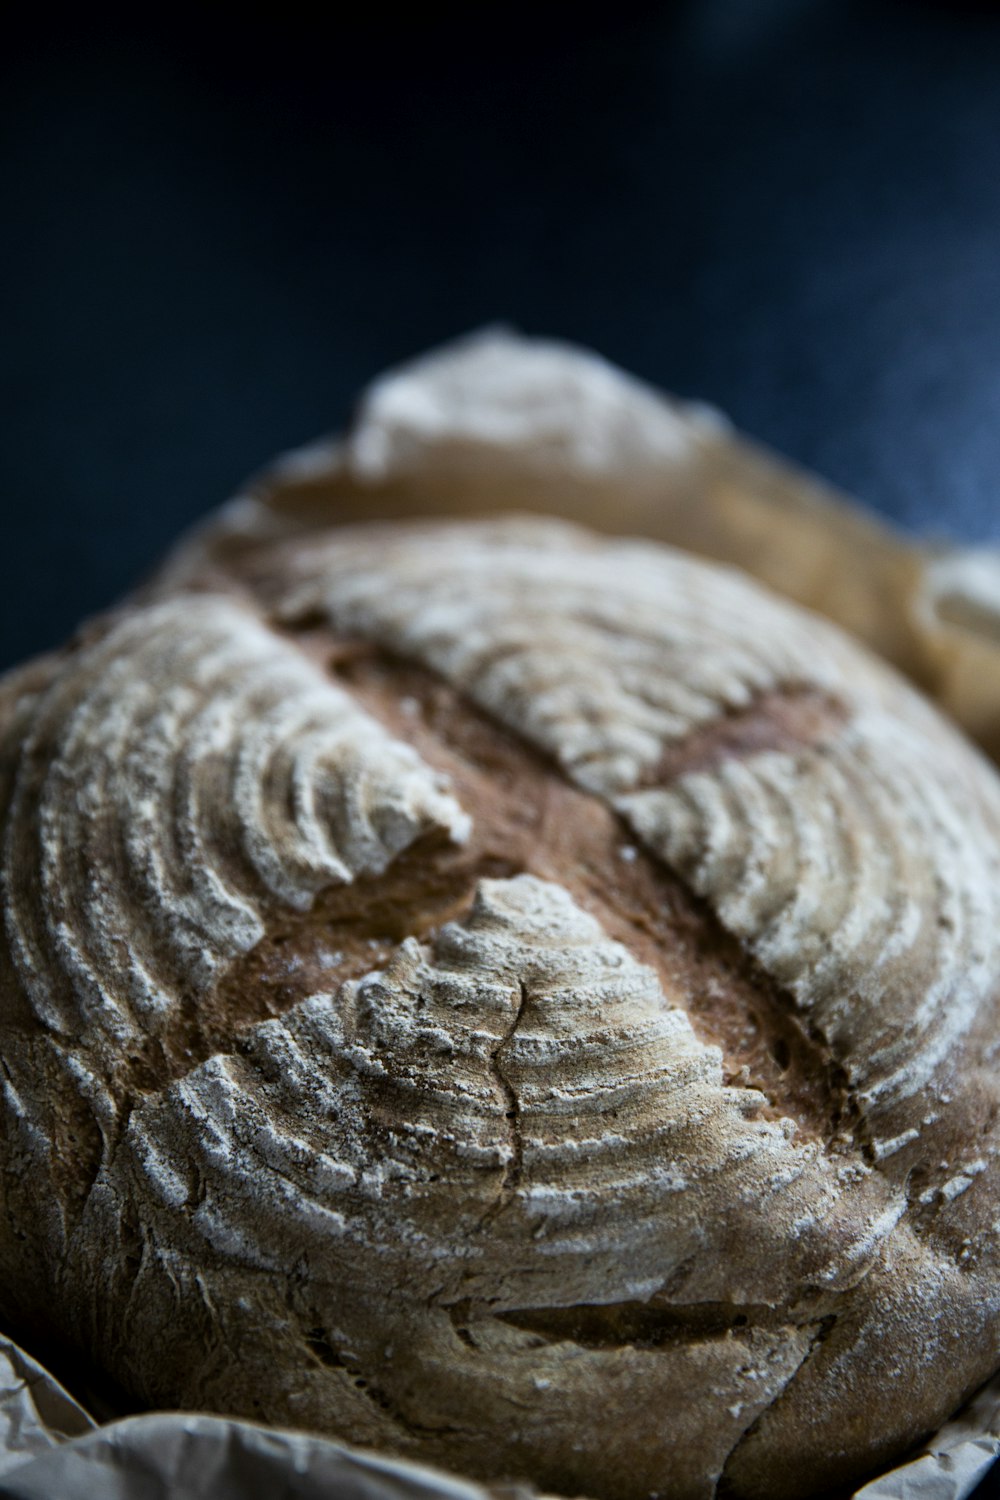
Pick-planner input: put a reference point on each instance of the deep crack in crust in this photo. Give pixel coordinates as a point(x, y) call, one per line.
point(275, 994)
point(531, 820)
point(512, 1113)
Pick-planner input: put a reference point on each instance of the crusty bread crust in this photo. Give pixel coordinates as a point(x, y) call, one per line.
point(519, 1000)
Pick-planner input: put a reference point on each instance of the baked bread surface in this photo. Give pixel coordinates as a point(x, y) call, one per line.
point(506, 997)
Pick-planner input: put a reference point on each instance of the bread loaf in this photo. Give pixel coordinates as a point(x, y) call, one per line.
point(505, 997)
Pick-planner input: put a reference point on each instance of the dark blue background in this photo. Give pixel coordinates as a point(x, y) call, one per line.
point(215, 232)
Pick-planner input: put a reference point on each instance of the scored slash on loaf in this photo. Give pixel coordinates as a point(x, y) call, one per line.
point(354, 1077)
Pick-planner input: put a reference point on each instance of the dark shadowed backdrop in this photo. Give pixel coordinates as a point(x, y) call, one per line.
point(217, 229)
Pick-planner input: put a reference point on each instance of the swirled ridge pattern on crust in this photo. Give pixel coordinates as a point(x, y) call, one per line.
point(523, 1080)
point(163, 790)
point(851, 864)
point(485, 1195)
point(402, 1082)
point(190, 772)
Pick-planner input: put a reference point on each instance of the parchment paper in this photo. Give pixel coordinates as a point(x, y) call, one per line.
point(498, 422)
point(178, 1456)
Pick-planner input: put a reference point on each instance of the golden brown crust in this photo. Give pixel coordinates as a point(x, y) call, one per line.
point(510, 998)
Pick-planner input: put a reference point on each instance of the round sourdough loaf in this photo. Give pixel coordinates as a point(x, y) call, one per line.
point(506, 997)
